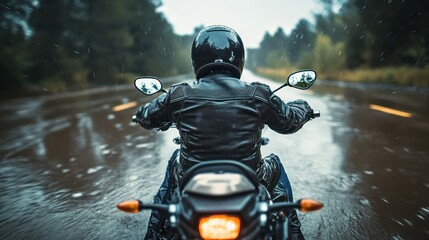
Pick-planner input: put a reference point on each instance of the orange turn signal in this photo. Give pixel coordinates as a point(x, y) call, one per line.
point(131, 206)
point(219, 227)
point(308, 205)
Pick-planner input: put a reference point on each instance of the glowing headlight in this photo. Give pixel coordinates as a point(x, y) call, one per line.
point(219, 227)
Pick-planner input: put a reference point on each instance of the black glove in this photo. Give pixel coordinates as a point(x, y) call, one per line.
point(165, 126)
point(139, 117)
point(139, 112)
point(307, 110)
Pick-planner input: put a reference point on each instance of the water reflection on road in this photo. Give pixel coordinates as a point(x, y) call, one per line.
point(66, 161)
point(390, 154)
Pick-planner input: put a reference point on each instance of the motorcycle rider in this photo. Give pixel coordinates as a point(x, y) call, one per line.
point(220, 116)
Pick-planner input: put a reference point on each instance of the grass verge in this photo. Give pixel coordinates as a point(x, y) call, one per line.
point(405, 76)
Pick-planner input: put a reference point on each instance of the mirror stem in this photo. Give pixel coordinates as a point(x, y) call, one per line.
point(282, 86)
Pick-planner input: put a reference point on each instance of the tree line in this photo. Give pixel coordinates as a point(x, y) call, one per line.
point(360, 34)
point(60, 45)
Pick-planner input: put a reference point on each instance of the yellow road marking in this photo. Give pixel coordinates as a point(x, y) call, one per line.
point(390, 111)
point(124, 106)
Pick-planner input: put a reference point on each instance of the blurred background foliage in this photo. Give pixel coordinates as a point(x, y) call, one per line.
point(61, 45)
point(384, 41)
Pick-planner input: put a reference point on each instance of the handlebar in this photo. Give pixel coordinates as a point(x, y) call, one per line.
point(134, 119)
point(315, 114)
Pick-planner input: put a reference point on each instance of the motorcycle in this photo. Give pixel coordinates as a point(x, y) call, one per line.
point(223, 199)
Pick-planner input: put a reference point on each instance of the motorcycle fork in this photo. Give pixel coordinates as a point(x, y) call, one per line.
point(280, 226)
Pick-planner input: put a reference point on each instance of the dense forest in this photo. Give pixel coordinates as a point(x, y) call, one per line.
point(59, 45)
point(363, 40)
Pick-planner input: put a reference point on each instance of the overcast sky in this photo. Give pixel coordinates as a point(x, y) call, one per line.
point(250, 18)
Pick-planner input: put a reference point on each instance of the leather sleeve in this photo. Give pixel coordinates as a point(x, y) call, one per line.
point(155, 114)
point(288, 117)
point(284, 118)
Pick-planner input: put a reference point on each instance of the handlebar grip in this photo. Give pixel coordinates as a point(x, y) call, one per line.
point(134, 119)
point(315, 114)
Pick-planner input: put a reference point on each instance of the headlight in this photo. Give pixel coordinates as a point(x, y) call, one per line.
point(219, 227)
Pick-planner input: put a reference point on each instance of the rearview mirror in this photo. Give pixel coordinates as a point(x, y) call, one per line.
point(148, 85)
point(302, 79)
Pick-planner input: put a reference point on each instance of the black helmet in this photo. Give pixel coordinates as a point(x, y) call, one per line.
point(217, 48)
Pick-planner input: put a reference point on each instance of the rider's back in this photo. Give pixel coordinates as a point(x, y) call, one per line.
point(219, 117)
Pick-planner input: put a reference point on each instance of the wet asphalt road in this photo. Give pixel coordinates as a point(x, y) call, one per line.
point(67, 160)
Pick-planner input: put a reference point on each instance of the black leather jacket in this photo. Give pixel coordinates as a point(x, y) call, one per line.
point(221, 117)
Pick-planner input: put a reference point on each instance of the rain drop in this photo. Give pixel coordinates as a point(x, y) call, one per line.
point(389, 149)
point(77, 195)
point(94, 170)
point(397, 237)
point(143, 145)
point(398, 222)
point(94, 193)
point(365, 202)
point(118, 126)
point(408, 222)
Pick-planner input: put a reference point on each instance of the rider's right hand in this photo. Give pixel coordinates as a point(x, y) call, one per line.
point(303, 105)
